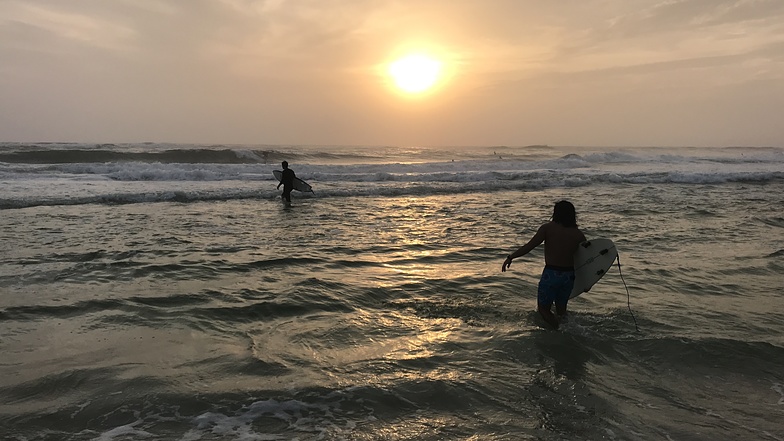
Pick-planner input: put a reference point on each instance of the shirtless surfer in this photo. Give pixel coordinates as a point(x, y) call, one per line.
point(561, 238)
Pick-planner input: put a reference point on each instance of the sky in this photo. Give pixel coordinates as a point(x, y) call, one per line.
point(315, 72)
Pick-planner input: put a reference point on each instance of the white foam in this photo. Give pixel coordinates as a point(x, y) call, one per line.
point(293, 412)
point(74, 183)
point(778, 388)
point(127, 430)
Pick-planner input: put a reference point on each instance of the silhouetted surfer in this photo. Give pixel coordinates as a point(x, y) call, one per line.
point(561, 238)
point(287, 181)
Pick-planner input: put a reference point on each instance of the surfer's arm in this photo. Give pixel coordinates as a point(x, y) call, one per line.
point(525, 249)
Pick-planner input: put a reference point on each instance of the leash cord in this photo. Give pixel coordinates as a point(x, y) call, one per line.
point(628, 296)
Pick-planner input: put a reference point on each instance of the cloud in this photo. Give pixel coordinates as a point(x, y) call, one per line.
point(44, 24)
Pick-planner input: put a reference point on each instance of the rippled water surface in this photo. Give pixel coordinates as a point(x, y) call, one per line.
point(386, 317)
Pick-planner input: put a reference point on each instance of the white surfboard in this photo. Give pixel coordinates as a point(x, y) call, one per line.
point(591, 261)
point(299, 184)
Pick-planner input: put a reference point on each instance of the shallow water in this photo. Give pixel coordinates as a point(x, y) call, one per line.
point(386, 316)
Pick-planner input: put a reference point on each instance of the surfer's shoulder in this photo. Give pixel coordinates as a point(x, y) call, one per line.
point(553, 227)
point(545, 228)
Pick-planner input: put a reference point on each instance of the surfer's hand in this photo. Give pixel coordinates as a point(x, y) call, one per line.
point(507, 263)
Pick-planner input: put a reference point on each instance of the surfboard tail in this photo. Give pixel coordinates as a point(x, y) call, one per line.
point(591, 261)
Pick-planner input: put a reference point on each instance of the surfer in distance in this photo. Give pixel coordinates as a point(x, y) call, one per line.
point(561, 237)
point(287, 181)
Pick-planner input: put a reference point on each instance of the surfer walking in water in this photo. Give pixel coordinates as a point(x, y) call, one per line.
point(561, 237)
point(287, 181)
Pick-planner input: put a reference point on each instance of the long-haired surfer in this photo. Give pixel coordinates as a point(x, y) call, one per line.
point(561, 237)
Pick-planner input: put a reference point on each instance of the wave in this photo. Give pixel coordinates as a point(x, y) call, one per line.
point(170, 154)
point(78, 174)
point(623, 165)
point(189, 156)
point(382, 184)
point(69, 153)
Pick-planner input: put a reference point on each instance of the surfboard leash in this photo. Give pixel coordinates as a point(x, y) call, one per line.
point(628, 296)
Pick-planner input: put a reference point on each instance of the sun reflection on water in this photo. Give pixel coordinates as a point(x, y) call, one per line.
point(418, 231)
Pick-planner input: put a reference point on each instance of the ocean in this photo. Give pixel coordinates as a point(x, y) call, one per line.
point(163, 292)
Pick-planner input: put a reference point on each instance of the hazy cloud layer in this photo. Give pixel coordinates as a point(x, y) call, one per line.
point(589, 72)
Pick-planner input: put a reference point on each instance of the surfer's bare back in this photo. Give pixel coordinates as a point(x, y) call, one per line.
point(561, 238)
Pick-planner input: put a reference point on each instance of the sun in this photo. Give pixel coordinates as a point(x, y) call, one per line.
point(415, 73)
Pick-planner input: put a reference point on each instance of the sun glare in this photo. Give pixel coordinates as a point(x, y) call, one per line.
point(415, 73)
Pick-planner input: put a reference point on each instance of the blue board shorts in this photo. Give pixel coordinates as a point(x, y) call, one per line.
point(555, 286)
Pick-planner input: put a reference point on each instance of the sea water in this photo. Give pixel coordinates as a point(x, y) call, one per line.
point(155, 291)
